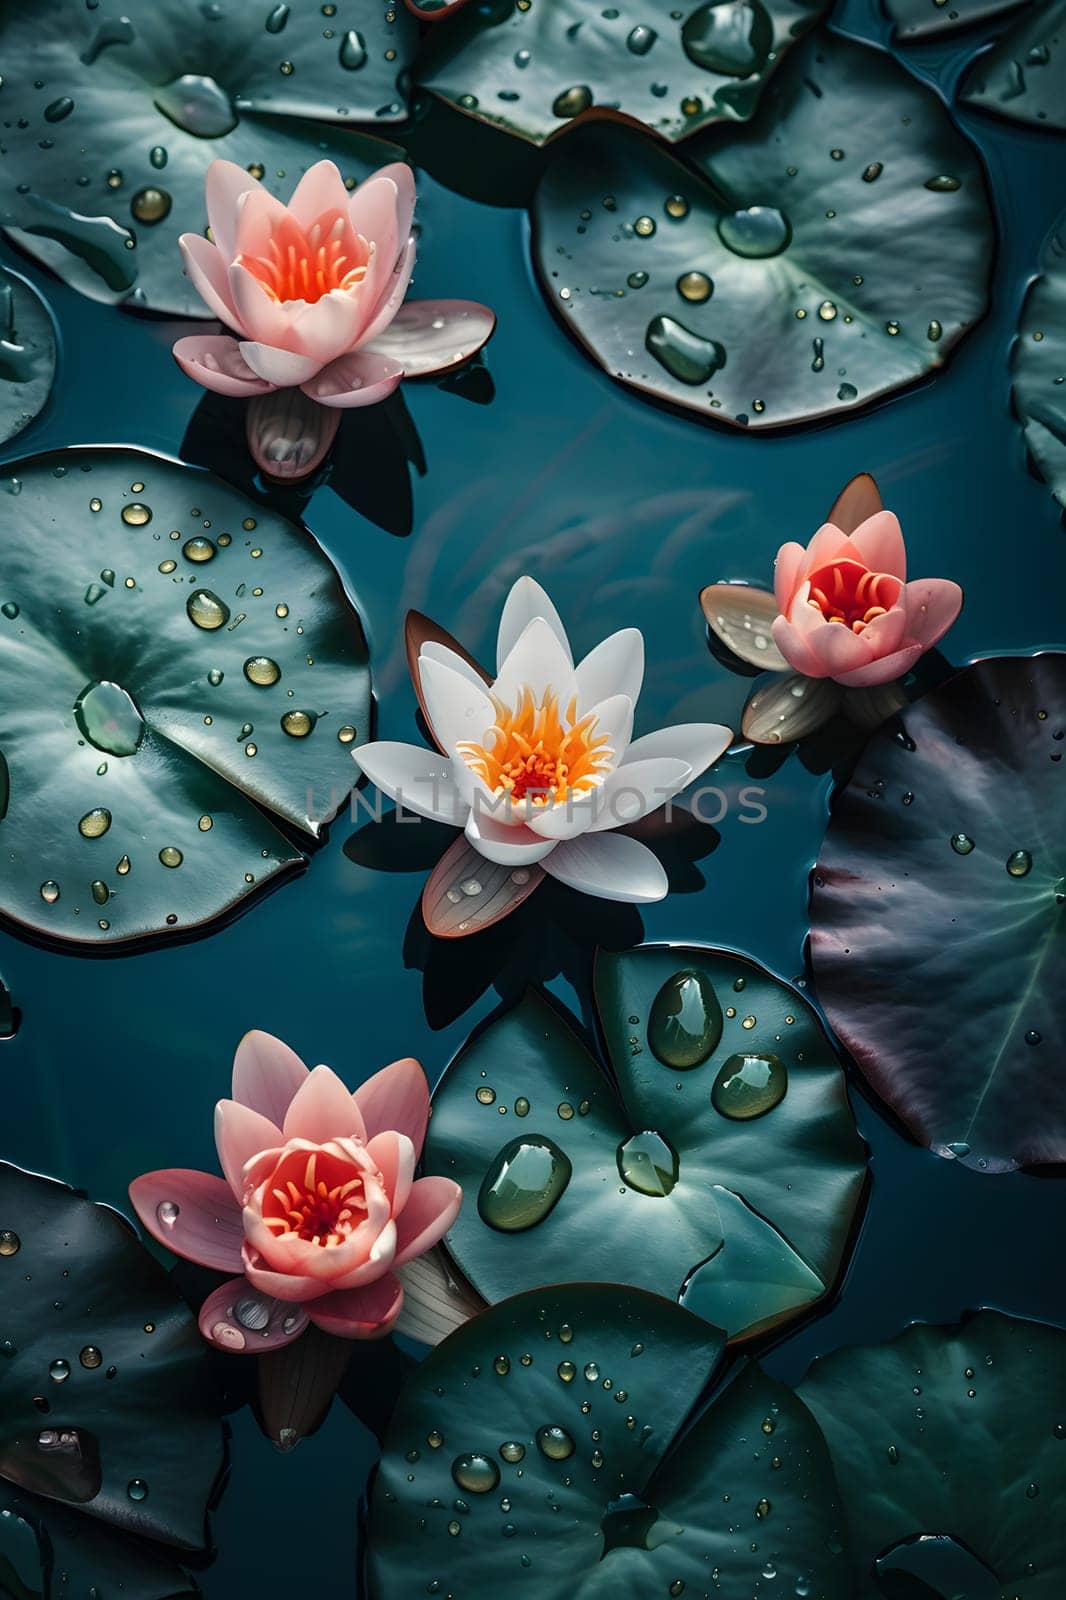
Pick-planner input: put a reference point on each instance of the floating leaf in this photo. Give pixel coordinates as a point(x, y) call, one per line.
point(435, 1299)
point(919, 20)
point(1023, 76)
point(537, 1452)
point(27, 354)
point(535, 70)
point(789, 708)
point(947, 994)
point(107, 160)
point(908, 1466)
point(729, 1136)
point(740, 616)
point(1039, 366)
point(297, 1384)
point(194, 658)
point(107, 1404)
point(759, 293)
point(466, 893)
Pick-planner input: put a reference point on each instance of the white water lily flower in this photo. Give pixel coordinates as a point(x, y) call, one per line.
point(539, 765)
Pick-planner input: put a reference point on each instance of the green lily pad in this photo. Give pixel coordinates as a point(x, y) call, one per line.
point(957, 1432)
point(1039, 365)
point(1023, 76)
point(538, 1452)
point(949, 997)
point(110, 1440)
point(724, 1170)
point(919, 20)
point(112, 121)
point(832, 251)
point(196, 665)
point(27, 354)
point(534, 70)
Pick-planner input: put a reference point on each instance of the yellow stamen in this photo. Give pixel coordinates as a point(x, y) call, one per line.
point(537, 753)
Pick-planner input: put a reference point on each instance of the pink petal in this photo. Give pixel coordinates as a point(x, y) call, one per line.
point(241, 1134)
point(884, 670)
point(366, 1313)
point(396, 1098)
point(828, 544)
point(206, 270)
point(259, 217)
point(281, 368)
point(885, 633)
point(792, 643)
point(323, 1109)
point(260, 317)
point(329, 327)
point(431, 336)
point(373, 210)
point(221, 1325)
point(431, 1209)
point(791, 559)
point(359, 379)
point(390, 299)
point(395, 1156)
point(266, 1075)
point(404, 179)
point(879, 541)
point(320, 189)
point(214, 360)
point(837, 649)
point(225, 184)
point(206, 1226)
point(287, 1286)
point(932, 606)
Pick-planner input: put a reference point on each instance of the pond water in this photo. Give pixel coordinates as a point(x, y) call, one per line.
point(624, 511)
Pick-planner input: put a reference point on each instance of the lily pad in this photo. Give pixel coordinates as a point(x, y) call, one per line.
point(832, 251)
point(1039, 366)
point(919, 20)
point(537, 1453)
point(949, 995)
point(112, 121)
point(536, 70)
point(196, 665)
point(724, 1170)
point(109, 1427)
point(27, 354)
point(909, 1425)
point(1023, 76)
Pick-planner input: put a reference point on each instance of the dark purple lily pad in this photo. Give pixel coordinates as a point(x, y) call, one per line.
point(938, 917)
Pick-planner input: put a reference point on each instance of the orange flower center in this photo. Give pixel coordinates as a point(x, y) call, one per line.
point(316, 1197)
point(538, 753)
point(305, 266)
point(851, 594)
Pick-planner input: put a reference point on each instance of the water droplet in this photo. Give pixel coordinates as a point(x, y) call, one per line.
point(170, 856)
point(50, 892)
point(475, 1473)
point(640, 39)
point(686, 356)
point(943, 185)
point(521, 1106)
point(91, 1357)
point(1019, 863)
point(206, 610)
point(567, 1371)
point(525, 1181)
point(637, 280)
point(100, 892)
point(276, 19)
point(749, 1085)
point(346, 735)
point(199, 105)
point(733, 37)
point(151, 204)
point(262, 670)
point(554, 1442)
point(123, 867)
point(168, 1212)
point(695, 287)
point(137, 1489)
point(10, 610)
point(59, 109)
point(1033, 1037)
point(158, 157)
point(485, 1095)
point(872, 172)
point(198, 549)
point(648, 1163)
point(685, 1022)
point(572, 101)
point(94, 824)
point(59, 1370)
point(298, 724)
point(961, 843)
point(676, 206)
point(10, 1243)
point(827, 311)
point(512, 1451)
point(934, 332)
point(136, 514)
point(108, 718)
point(352, 52)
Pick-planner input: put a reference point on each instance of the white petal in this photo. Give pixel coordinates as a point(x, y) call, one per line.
point(698, 743)
point(458, 707)
point(637, 788)
point(566, 819)
point(419, 780)
point(614, 717)
point(511, 845)
point(537, 661)
point(527, 600)
point(433, 651)
point(283, 367)
point(611, 866)
point(615, 666)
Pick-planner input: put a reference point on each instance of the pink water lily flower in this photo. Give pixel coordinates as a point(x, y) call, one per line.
point(314, 292)
point(846, 609)
point(319, 1204)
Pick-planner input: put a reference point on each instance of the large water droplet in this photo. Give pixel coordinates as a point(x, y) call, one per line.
point(353, 51)
point(262, 670)
point(687, 356)
point(475, 1473)
point(733, 37)
point(276, 19)
point(207, 610)
point(525, 1181)
point(118, 30)
point(685, 1023)
point(1019, 863)
point(107, 716)
point(95, 823)
point(755, 231)
point(10, 1243)
point(199, 105)
point(151, 204)
point(648, 1164)
point(573, 101)
point(640, 39)
point(749, 1085)
point(554, 1442)
point(961, 843)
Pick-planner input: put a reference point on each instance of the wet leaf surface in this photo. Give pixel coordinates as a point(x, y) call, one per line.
point(919, 20)
point(726, 1169)
point(1023, 76)
point(948, 993)
point(1039, 366)
point(106, 1403)
point(955, 1432)
point(535, 70)
point(554, 1418)
point(27, 354)
point(112, 122)
point(829, 253)
point(194, 659)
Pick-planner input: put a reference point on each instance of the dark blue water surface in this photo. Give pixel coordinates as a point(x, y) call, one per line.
point(623, 511)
